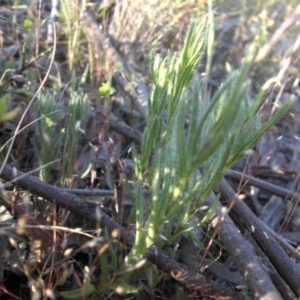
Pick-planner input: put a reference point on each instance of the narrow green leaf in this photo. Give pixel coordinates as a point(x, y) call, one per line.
point(180, 140)
point(112, 251)
point(78, 293)
point(248, 144)
point(139, 247)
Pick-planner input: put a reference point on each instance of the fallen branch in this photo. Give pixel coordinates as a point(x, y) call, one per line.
point(276, 278)
point(194, 282)
point(262, 184)
point(284, 265)
point(245, 259)
point(273, 189)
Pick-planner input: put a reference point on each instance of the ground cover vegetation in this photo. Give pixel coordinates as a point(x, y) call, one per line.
point(149, 150)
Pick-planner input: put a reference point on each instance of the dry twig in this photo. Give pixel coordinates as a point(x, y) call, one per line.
point(194, 282)
point(284, 265)
point(245, 259)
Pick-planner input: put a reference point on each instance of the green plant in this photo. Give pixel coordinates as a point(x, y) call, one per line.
point(60, 131)
point(219, 133)
point(48, 110)
point(76, 120)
